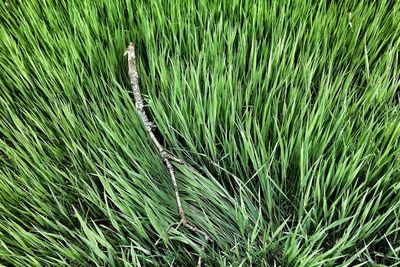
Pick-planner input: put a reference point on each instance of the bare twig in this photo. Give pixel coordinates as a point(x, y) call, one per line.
point(178, 224)
point(165, 155)
point(199, 260)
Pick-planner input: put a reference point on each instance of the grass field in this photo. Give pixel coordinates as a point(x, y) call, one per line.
point(289, 110)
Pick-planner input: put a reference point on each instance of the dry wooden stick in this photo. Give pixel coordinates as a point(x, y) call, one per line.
point(165, 155)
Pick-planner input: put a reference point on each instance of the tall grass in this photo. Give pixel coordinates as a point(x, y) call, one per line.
point(289, 110)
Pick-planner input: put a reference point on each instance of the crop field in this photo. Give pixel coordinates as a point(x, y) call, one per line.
point(287, 111)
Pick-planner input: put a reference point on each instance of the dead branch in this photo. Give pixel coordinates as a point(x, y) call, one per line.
point(164, 154)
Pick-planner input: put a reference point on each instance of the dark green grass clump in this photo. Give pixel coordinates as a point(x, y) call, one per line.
point(290, 111)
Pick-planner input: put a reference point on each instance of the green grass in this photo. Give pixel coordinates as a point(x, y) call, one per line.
point(289, 109)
